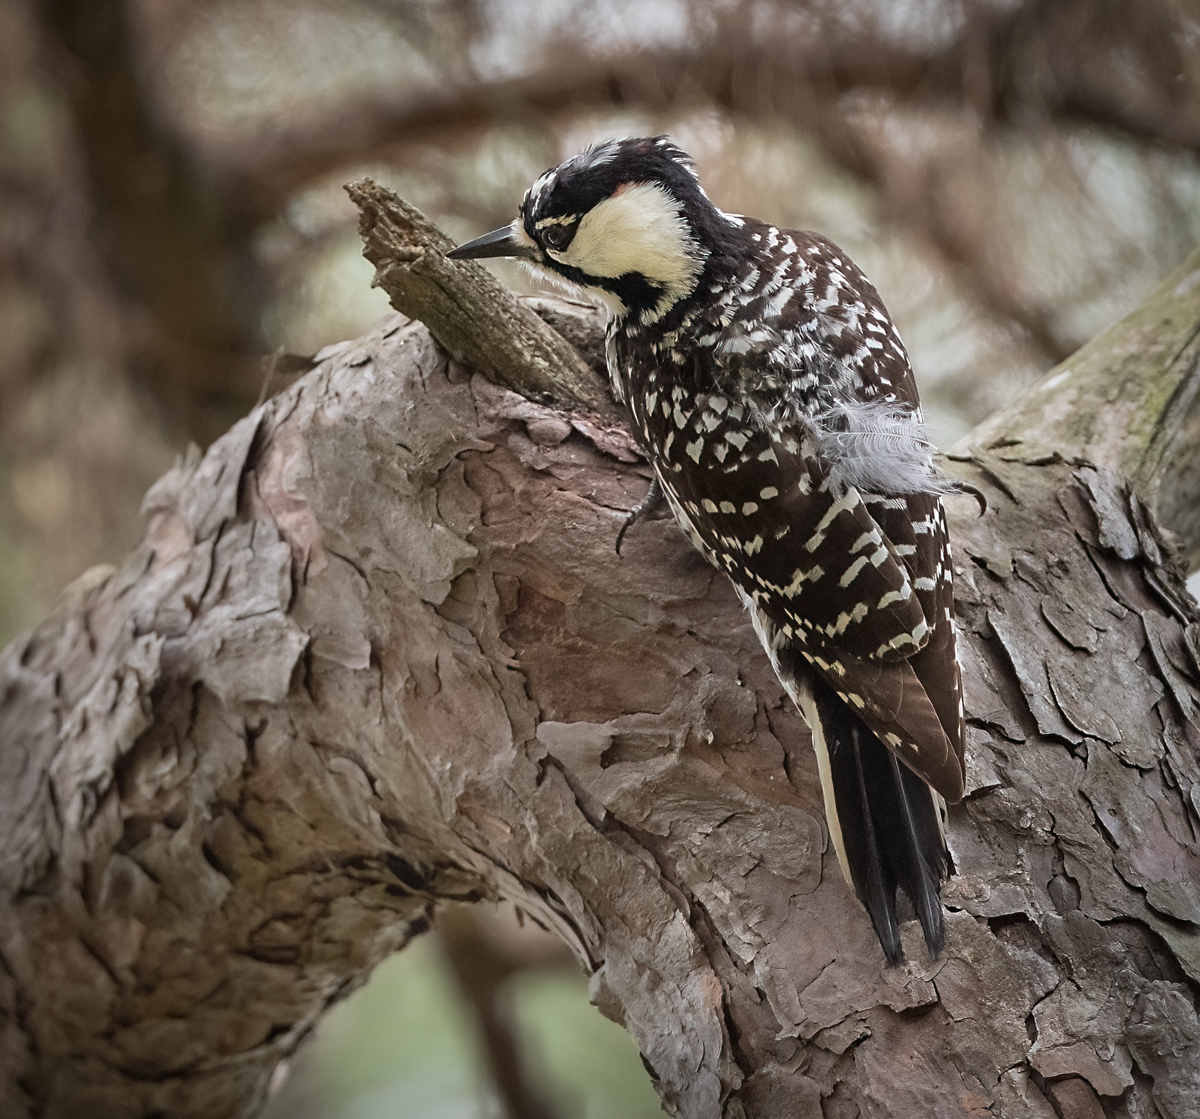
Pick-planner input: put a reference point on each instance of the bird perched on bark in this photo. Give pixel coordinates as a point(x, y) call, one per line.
point(777, 406)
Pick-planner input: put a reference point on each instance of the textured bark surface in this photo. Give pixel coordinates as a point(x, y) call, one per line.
point(1128, 401)
point(376, 651)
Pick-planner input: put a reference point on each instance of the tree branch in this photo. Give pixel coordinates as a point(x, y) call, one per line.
point(1129, 401)
point(376, 652)
point(1116, 67)
point(172, 232)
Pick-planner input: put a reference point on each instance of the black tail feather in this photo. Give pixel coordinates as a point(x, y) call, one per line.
point(889, 826)
point(922, 867)
point(872, 872)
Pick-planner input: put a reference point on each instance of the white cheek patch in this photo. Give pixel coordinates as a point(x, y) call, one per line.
point(638, 229)
point(541, 272)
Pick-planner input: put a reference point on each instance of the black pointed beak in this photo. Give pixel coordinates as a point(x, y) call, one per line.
point(500, 242)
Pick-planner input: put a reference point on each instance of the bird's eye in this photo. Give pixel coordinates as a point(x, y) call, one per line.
point(558, 236)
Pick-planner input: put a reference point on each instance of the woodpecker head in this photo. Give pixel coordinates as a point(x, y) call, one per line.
point(627, 220)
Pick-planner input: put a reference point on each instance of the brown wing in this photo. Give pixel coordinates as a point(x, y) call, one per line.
point(853, 584)
point(916, 524)
point(814, 561)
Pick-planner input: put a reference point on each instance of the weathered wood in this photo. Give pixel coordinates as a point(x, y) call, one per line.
point(475, 319)
point(376, 651)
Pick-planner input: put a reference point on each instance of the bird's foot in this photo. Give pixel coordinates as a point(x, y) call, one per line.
point(654, 496)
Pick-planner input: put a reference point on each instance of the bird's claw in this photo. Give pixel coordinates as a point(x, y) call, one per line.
point(653, 496)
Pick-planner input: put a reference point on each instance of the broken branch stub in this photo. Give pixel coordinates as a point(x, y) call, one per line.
point(473, 317)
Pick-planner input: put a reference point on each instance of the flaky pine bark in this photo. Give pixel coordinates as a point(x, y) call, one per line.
point(376, 653)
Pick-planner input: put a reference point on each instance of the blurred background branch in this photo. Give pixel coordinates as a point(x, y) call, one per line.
point(1014, 174)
